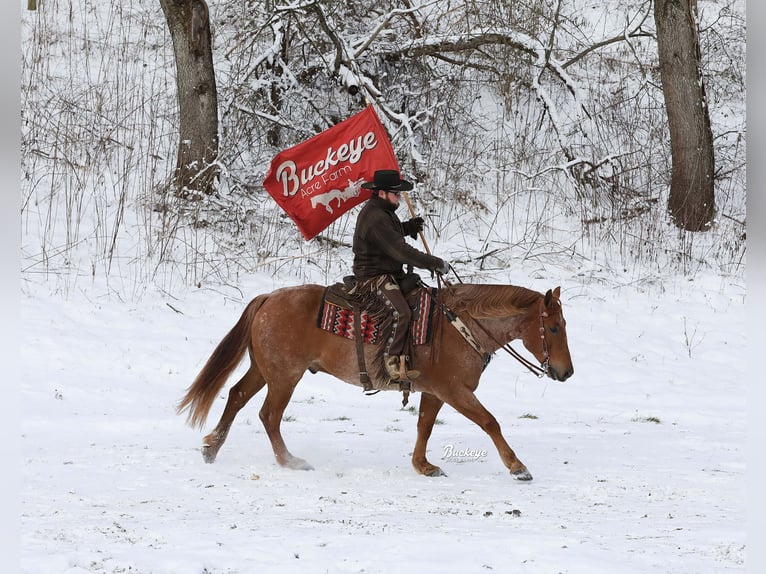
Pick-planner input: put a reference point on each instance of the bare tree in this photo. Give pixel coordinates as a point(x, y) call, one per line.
point(691, 201)
point(196, 166)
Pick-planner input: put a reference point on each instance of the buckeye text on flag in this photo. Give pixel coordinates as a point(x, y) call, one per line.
point(320, 179)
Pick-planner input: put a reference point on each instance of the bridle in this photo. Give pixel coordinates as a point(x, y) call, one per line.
point(542, 370)
point(539, 372)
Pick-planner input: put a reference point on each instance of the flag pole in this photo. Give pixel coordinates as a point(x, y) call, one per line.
point(412, 212)
point(407, 198)
point(439, 278)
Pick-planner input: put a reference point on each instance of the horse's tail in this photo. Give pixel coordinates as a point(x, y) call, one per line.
point(227, 355)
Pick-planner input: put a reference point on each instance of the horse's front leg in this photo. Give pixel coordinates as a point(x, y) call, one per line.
point(465, 402)
point(429, 408)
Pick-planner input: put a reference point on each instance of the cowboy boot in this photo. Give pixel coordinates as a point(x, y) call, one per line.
point(404, 374)
point(391, 363)
point(396, 368)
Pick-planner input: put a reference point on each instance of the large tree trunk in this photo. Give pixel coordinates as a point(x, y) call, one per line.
point(692, 201)
point(196, 167)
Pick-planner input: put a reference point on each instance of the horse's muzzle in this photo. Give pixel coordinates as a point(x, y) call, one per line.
point(560, 375)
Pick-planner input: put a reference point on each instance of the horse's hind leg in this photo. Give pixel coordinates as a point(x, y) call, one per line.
point(429, 408)
point(239, 394)
point(273, 408)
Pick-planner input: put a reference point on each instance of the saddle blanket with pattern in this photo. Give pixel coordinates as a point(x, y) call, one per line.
point(338, 318)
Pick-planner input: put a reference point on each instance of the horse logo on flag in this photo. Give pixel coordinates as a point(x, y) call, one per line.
point(350, 192)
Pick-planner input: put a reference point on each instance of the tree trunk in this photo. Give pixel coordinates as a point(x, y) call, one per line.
point(196, 167)
point(691, 202)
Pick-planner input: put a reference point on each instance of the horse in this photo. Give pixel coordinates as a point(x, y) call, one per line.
point(279, 330)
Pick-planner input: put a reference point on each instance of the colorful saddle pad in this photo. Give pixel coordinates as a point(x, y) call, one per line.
point(338, 318)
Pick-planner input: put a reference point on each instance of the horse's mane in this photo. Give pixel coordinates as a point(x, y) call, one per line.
point(484, 301)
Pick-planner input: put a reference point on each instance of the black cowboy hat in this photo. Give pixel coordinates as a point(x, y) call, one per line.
point(387, 179)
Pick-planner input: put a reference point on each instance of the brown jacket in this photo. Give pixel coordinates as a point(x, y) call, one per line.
point(379, 246)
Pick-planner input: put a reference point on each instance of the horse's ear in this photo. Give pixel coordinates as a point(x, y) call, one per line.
point(549, 295)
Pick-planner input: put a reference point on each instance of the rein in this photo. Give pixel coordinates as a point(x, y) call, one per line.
point(539, 372)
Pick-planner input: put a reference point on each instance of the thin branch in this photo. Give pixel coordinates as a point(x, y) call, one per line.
point(637, 32)
point(466, 64)
point(465, 42)
point(570, 164)
point(384, 23)
point(339, 48)
point(552, 37)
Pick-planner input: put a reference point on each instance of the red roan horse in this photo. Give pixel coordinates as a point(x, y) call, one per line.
point(280, 332)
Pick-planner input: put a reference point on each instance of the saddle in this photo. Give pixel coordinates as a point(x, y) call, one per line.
point(348, 312)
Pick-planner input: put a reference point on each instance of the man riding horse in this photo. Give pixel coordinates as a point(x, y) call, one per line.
point(380, 252)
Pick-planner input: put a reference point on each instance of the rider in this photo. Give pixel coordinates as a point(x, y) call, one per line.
point(380, 251)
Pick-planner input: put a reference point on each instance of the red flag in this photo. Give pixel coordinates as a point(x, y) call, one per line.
point(320, 179)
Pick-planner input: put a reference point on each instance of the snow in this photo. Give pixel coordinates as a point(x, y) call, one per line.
point(638, 460)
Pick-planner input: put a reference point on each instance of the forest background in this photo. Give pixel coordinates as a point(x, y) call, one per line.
point(515, 160)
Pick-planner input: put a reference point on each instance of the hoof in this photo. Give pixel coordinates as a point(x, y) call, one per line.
point(523, 474)
point(297, 464)
point(208, 453)
point(434, 472)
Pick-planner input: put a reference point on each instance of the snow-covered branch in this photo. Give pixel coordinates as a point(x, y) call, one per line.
point(383, 24)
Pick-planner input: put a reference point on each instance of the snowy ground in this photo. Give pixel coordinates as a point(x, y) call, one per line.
point(639, 459)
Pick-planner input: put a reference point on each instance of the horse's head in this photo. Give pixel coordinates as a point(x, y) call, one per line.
point(545, 336)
